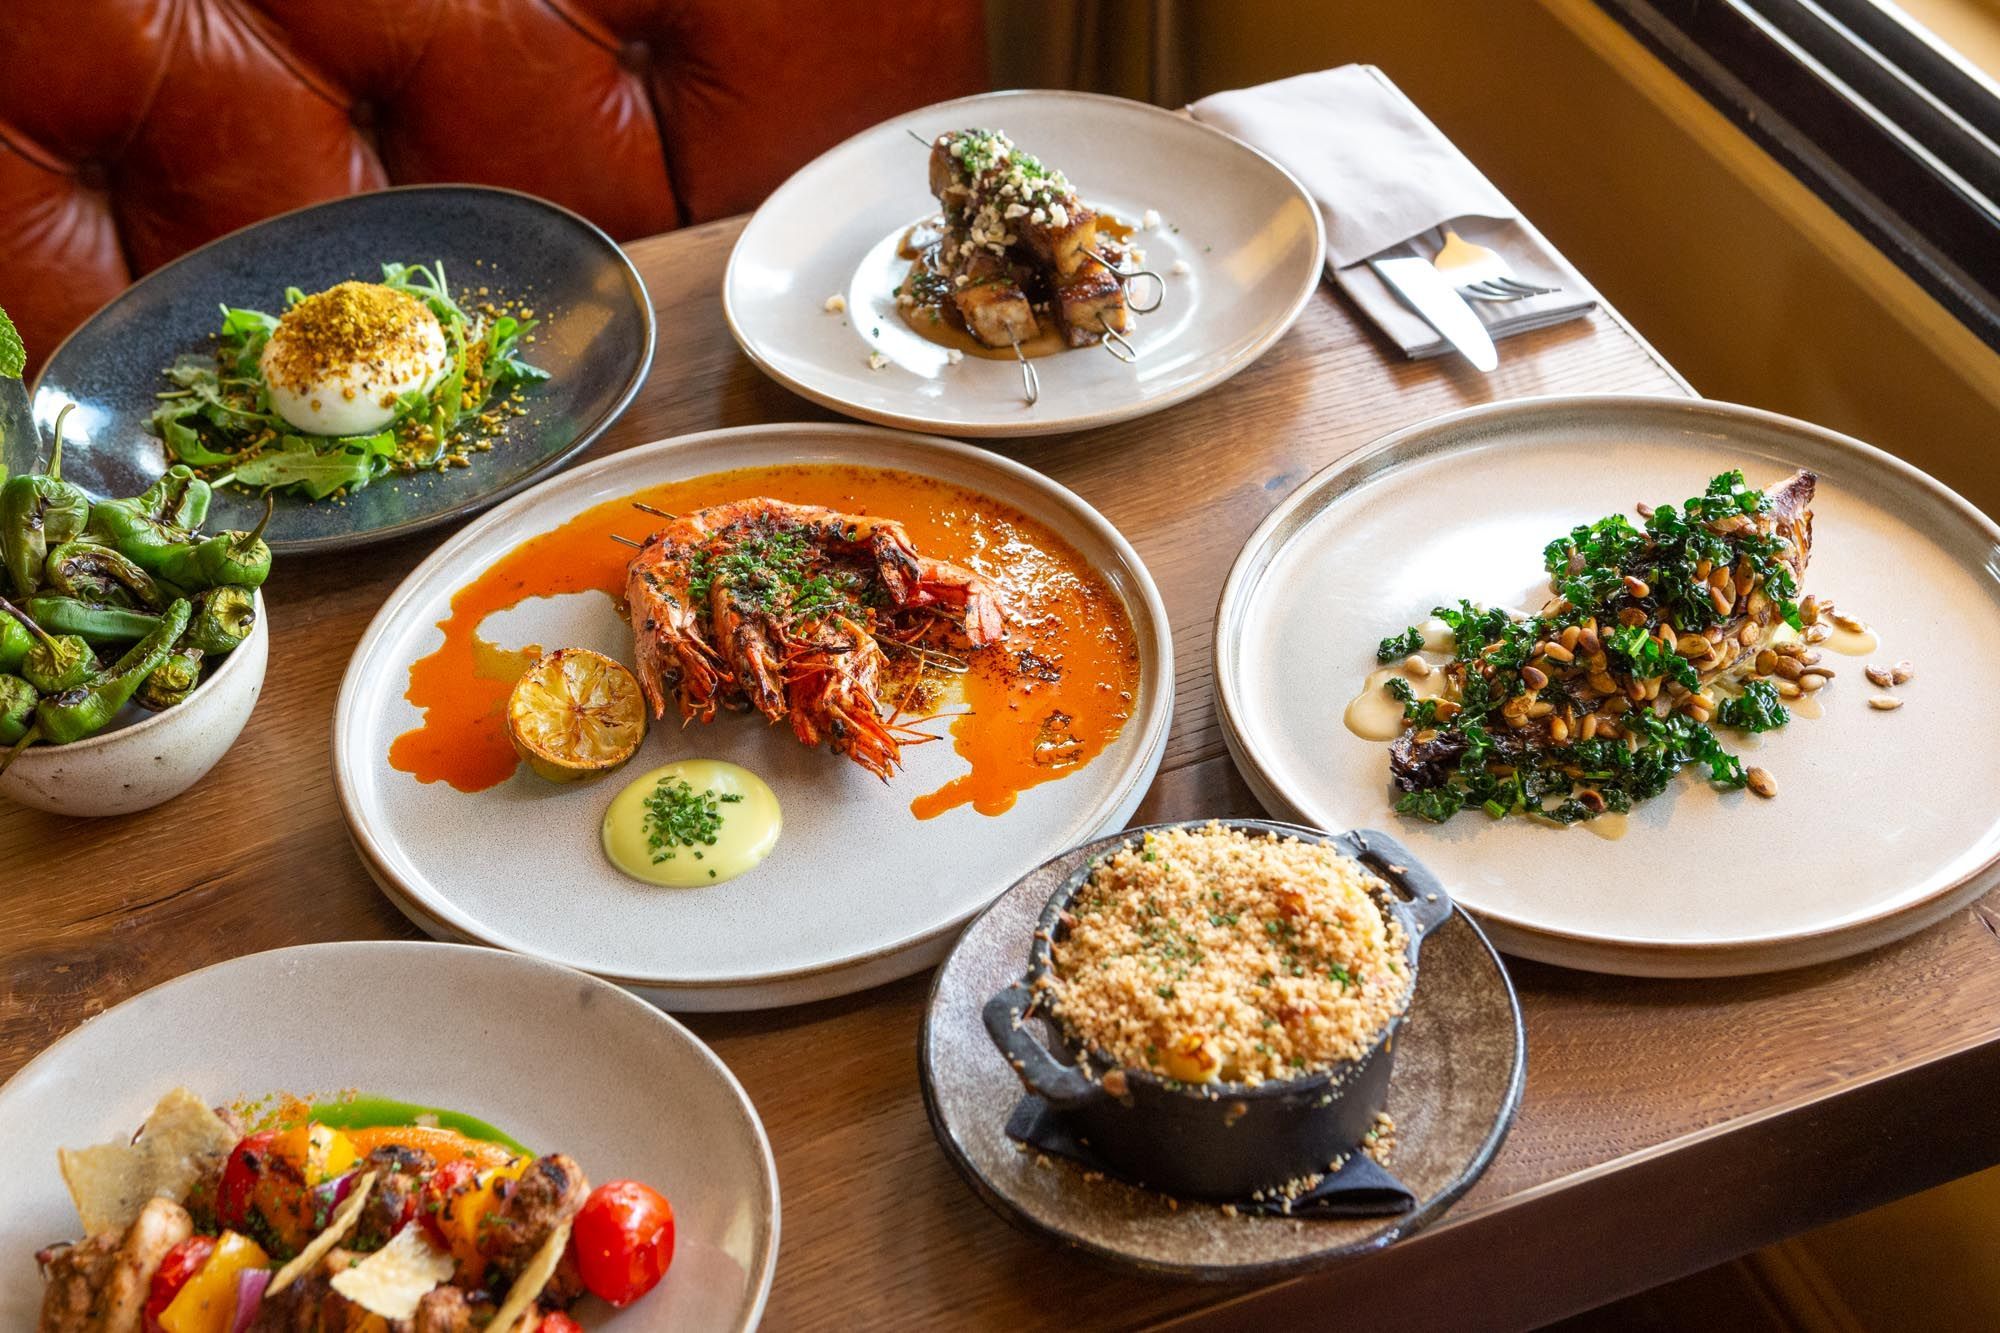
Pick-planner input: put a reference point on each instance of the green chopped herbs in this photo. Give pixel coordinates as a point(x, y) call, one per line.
point(677, 816)
point(218, 417)
point(1600, 700)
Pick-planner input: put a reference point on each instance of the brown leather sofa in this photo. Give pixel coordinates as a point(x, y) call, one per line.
point(133, 130)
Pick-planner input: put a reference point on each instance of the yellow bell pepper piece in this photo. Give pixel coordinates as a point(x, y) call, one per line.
point(320, 1152)
point(459, 1221)
point(207, 1304)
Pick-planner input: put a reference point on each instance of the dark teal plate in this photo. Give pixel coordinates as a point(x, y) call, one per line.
point(596, 342)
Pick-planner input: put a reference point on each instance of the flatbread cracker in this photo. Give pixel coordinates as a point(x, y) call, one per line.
point(392, 1281)
point(111, 1182)
point(533, 1278)
point(344, 1218)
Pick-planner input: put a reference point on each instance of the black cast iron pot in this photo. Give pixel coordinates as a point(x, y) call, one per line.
point(1222, 1141)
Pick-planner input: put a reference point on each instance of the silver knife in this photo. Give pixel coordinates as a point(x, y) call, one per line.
point(1430, 294)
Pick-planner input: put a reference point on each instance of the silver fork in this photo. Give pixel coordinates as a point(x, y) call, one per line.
point(1479, 272)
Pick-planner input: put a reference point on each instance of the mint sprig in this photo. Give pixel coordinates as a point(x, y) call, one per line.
point(13, 353)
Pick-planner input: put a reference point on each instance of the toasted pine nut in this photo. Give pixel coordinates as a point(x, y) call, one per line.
point(1811, 681)
point(1878, 675)
point(1723, 603)
point(1816, 633)
point(1809, 610)
point(1557, 652)
point(1788, 667)
point(1534, 677)
point(1570, 635)
point(1789, 689)
point(1848, 623)
point(1589, 727)
point(1903, 672)
point(1884, 703)
point(1762, 783)
point(1767, 662)
point(1416, 666)
point(1636, 586)
point(1446, 710)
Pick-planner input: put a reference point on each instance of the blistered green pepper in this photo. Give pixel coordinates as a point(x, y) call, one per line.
point(73, 714)
point(167, 513)
point(223, 618)
point(173, 680)
point(15, 641)
point(55, 662)
point(17, 708)
point(99, 625)
point(93, 573)
point(237, 559)
point(38, 512)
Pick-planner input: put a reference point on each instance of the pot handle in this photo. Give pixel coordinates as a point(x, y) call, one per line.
point(1428, 902)
point(1040, 1072)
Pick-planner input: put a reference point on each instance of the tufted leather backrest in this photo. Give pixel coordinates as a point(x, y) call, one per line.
point(134, 130)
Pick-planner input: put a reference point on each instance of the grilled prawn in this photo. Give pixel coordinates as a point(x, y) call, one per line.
point(783, 608)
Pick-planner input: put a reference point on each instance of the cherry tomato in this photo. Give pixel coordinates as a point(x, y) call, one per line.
point(557, 1322)
point(240, 1177)
point(623, 1239)
point(182, 1262)
point(440, 1188)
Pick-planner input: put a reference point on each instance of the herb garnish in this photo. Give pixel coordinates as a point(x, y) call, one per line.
point(677, 816)
point(1597, 702)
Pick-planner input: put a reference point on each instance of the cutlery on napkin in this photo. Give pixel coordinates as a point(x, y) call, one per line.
point(1383, 176)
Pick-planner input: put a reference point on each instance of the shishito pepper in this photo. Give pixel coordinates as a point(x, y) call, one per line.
point(167, 514)
point(207, 1303)
point(88, 708)
point(98, 625)
point(223, 618)
point(236, 559)
point(39, 511)
point(92, 573)
point(15, 641)
point(17, 708)
point(53, 663)
point(173, 680)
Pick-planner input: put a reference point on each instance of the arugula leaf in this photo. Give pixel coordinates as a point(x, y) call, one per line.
point(13, 353)
point(350, 464)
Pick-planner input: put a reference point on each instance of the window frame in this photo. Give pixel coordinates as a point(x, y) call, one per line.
point(1890, 127)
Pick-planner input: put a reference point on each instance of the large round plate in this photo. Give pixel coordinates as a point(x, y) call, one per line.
point(1248, 233)
point(1461, 1061)
point(857, 892)
point(596, 342)
point(1879, 827)
point(560, 1061)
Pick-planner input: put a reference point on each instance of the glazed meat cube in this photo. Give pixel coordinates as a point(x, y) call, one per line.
point(995, 309)
point(1089, 302)
point(1064, 237)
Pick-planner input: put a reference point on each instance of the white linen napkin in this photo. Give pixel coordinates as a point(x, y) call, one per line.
point(1386, 180)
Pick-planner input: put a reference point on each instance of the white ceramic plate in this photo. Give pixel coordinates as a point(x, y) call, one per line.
point(857, 892)
point(615, 1083)
point(1248, 233)
point(1883, 822)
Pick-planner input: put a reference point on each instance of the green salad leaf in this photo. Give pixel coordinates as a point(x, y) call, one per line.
point(13, 353)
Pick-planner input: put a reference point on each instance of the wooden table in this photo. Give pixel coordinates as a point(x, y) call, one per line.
point(1666, 1126)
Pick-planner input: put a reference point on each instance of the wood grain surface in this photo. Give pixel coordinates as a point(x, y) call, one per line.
point(1666, 1125)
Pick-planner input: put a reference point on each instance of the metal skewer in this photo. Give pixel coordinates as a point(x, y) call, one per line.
point(1125, 279)
point(1031, 379)
point(1117, 344)
point(627, 541)
point(655, 511)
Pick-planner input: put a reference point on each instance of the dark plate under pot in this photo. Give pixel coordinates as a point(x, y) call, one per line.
point(595, 340)
point(1219, 1141)
point(1453, 1086)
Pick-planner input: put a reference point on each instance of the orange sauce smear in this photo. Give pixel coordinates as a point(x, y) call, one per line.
point(1036, 707)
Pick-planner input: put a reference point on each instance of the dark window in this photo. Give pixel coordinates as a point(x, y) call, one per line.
point(1885, 122)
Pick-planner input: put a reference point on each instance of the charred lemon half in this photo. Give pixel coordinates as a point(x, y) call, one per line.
point(575, 715)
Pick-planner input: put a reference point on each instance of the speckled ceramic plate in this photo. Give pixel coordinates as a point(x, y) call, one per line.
point(1461, 1060)
point(1872, 835)
point(1246, 232)
point(858, 890)
point(561, 1061)
point(596, 341)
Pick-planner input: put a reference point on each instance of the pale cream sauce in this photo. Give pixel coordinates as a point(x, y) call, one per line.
point(1375, 714)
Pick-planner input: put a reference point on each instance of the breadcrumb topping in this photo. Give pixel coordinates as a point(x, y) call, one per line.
point(1209, 955)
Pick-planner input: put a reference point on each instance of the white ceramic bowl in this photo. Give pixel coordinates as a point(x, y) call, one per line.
point(153, 757)
point(563, 1062)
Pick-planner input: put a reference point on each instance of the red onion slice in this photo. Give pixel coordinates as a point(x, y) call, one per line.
point(250, 1284)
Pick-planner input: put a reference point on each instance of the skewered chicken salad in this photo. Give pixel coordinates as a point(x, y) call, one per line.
point(1653, 634)
point(348, 384)
point(360, 1213)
